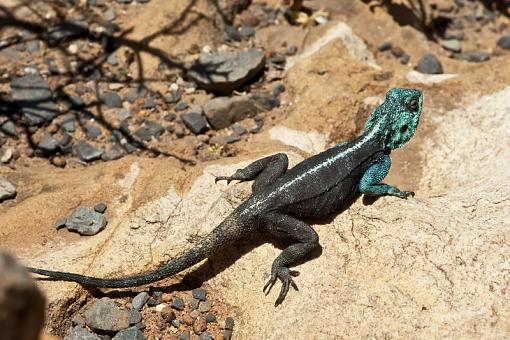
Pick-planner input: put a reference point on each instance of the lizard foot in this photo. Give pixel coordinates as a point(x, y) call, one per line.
point(285, 275)
point(406, 194)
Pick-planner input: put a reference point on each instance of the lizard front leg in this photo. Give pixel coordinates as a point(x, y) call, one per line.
point(307, 239)
point(370, 183)
point(264, 171)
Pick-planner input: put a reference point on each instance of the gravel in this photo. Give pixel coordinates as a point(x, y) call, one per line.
point(105, 316)
point(86, 221)
point(178, 304)
point(199, 294)
point(429, 64)
point(139, 300)
point(87, 152)
point(111, 99)
point(195, 121)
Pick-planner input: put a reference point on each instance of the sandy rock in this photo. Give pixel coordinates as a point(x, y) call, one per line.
point(21, 303)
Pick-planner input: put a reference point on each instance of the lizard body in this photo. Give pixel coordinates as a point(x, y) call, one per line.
point(316, 188)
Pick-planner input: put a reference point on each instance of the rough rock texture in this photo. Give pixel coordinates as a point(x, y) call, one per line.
point(226, 71)
point(7, 189)
point(86, 221)
point(21, 302)
point(105, 316)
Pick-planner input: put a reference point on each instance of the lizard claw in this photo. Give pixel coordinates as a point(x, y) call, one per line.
point(285, 275)
point(223, 178)
point(406, 194)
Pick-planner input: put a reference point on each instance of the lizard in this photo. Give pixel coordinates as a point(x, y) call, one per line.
point(283, 199)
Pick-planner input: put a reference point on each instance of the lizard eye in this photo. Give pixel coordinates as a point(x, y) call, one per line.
point(413, 104)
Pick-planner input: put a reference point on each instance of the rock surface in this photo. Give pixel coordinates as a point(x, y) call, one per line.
point(86, 221)
point(429, 64)
point(226, 71)
point(34, 97)
point(7, 189)
point(80, 333)
point(105, 316)
point(21, 302)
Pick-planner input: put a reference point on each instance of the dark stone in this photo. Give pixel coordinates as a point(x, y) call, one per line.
point(278, 89)
point(66, 31)
point(385, 46)
point(34, 97)
point(68, 123)
point(111, 99)
point(134, 317)
point(112, 60)
point(173, 97)
point(210, 317)
point(504, 42)
point(205, 336)
point(86, 221)
point(168, 314)
point(48, 144)
point(177, 304)
point(247, 32)
point(292, 50)
point(221, 112)
point(9, 128)
point(404, 59)
point(232, 33)
point(87, 152)
point(80, 333)
point(131, 333)
point(195, 122)
point(136, 93)
point(139, 300)
point(181, 106)
point(170, 117)
point(105, 316)
point(100, 207)
point(75, 103)
point(226, 71)
point(451, 45)
point(149, 104)
point(61, 223)
point(227, 335)
point(144, 134)
point(92, 131)
point(199, 294)
point(229, 323)
point(429, 64)
point(21, 302)
point(472, 56)
point(397, 51)
point(7, 190)
point(185, 336)
point(238, 129)
point(155, 129)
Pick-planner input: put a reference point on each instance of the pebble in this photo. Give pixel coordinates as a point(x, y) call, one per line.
point(80, 333)
point(205, 336)
point(172, 97)
point(87, 152)
point(194, 313)
point(472, 56)
point(176, 323)
point(92, 131)
point(66, 31)
point(100, 207)
point(504, 42)
point(195, 121)
point(6, 156)
point(134, 317)
point(224, 72)
point(429, 64)
point(105, 316)
point(210, 317)
point(232, 33)
point(188, 320)
point(168, 314)
point(278, 89)
point(205, 306)
point(155, 129)
point(199, 294)
point(7, 189)
point(124, 114)
point(292, 50)
point(160, 307)
point(199, 325)
point(61, 223)
point(397, 51)
point(178, 304)
point(34, 97)
point(170, 117)
point(193, 303)
point(238, 129)
point(112, 60)
point(9, 128)
point(229, 323)
point(86, 221)
point(113, 153)
point(451, 45)
point(111, 99)
point(59, 161)
point(68, 123)
point(148, 104)
point(181, 106)
point(247, 32)
point(48, 144)
point(136, 93)
point(185, 336)
point(131, 333)
point(139, 300)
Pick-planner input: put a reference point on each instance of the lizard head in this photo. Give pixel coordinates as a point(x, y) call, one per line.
point(401, 110)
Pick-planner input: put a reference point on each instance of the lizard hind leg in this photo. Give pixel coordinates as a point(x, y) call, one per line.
point(263, 171)
point(286, 226)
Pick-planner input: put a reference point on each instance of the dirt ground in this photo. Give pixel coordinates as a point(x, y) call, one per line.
point(430, 267)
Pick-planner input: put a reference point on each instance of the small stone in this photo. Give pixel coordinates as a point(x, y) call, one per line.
point(32, 46)
point(451, 45)
point(160, 307)
point(131, 333)
point(168, 314)
point(179, 132)
point(170, 117)
point(199, 294)
point(278, 89)
point(105, 316)
point(68, 123)
point(193, 303)
point(238, 129)
point(178, 304)
point(227, 335)
point(6, 156)
point(66, 31)
point(134, 317)
point(291, 50)
point(92, 131)
point(9, 128)
point(247, 32)
point(112, 60)
point(149, 104)
point(232, 33)
point(86, 221)
point(61, 223)
point(429, 64)
point(100, 207)
point(48, 144)
point(112, 154)
point(194, 313)
point(185, 336)
point(87, 152)
point(111, 99)
point(136, 93)
point(210, 317)
point(504, 42)
point(205, 336)
point(249, 19)
point(155, 129)
point(199, 325)
point(176, 323)
point(59, 161)
point(472, 56)
point(172, 97)
point(454, 34)
point(397, 51)
point(195, 122)
point(404, 59)
point(80, 333)
point(188, 320)
point(229, 323)
point(139, 300)
point(181, 106)
point(205, 306)
point(7, 189)
point(385, 46)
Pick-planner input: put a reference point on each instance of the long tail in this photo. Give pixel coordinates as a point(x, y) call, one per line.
point(226, 232)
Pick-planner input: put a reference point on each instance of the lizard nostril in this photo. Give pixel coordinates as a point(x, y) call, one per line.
point(403, 129)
